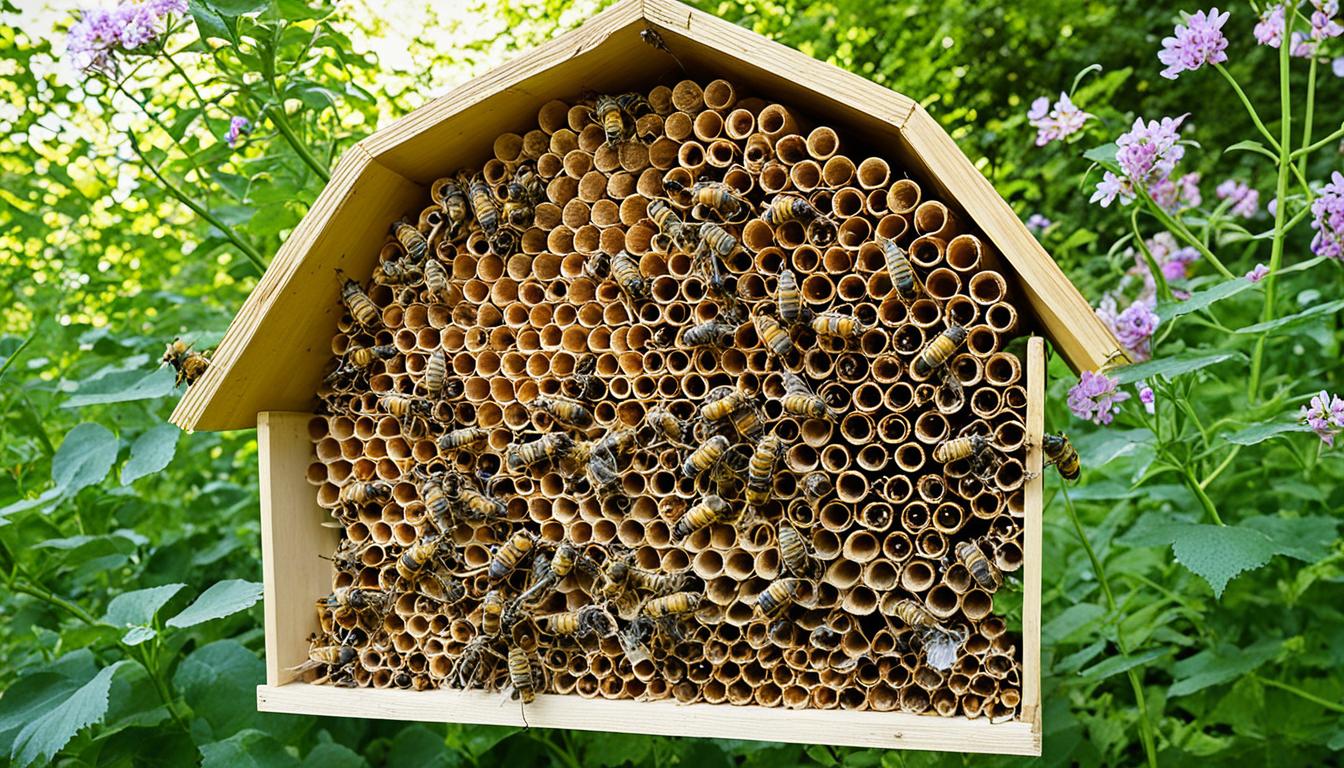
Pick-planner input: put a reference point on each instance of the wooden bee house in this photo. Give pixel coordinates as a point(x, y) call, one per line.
point(582, 287)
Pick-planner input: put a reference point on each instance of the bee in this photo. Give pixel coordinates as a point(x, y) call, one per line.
point(355, 599)
point(617, 588)
point(807, 405)
point(410, 238)
point(713, 509)
point(449, 194)
point(724, 404)
point(674, 604)
point(533, 189)
point(705, 456)
point(601, 470)
point(747, 421)
point(189, 365)
point(618, 442)
point(361, 307)
point(417, 557)
point(584, 621)
point(899, 270)
point(571, 413)
point(399, 406)
point(773, 335)
point(522, 675)
point(790, 208)
point(549, 447)
point(982, 569)
point(611, 111)
point(461, 438)
point(438, 501)
point(712, 333)
point(478, 506)
point(626, 273)
point(915, 615)
point(360, 493)
point(492, 611)
point(518, 213)
point(716, 241)
point(789, 298)
point(793, 552)
point(336, 656)
point(940, 643)
point(510, 554)
point(836, 325)
point(656, 582)
point(779, 595)
point(668, 222)
point(469, 665)
point(436, 370)
point(940, 350)
point(761, 469)
point(665, 426)
point(521, 196)
point(959, 448)
point(597, 265)
point(712, 195)
point(436, 280)
point(1060, 452)
point(815, 486)
point(483, 205)
point(397, 272)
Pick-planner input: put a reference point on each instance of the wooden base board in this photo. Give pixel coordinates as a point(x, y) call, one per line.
point(883, 730)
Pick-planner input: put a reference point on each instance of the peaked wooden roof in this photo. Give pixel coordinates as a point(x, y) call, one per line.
point(273, 355)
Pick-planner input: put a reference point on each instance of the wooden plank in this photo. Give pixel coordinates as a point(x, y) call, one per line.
point(884, 730)
point(291, 540)
point(1075, 330)
point(1031, 536)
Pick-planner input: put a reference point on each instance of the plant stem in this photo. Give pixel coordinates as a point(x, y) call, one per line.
point(147, 660)
point(1203, 497)
point(51, 598)
point(1159, 279)
point(1306, 150)
point(190, 83)
point(1179, 229)
point(277, 114)
point(1307, 117)
point(1232, 454)
point(1145, 726)
point(233, 237)
point(1280, 208)
point(1250, 109)
point(144, 108)
point(1313, 698)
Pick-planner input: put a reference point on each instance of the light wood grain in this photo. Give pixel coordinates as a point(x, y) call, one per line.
point(885, 730)
point(1031, 536)
point(292, 539)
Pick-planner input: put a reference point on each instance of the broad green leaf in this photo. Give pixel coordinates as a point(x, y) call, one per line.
point(123, 387)
point(44, 736)
point(39, 689)
point(139, 607)
point(332, 755)
point(46, 497)
point(1104, 155)
point(1258, 433)
point(248, 749)
point(1282, 322)
point(1336, 742)
point(418, 746)
point(1217, 553)
point(150, 452)
point(1305, 538)
point(1202, 299)
point(209, 25)
point(1072, 619)
point(1117, 664)
point(236, 7)
point(219, 682)
point(221, 599)
point(1219, 665)
point(1170, 367)
point(1103, 446)
point(138, 635)
point(1251, 146)
point(84, 458)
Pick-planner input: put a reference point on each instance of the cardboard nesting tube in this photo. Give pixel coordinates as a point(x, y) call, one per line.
point(846, 202)
point(977, 604)
point(688, 96)
point(931, 428)
point(859, 601)
point(861, 547)
point(508, 147)
point(987, 287)
point(553, 116)
point(677, 126)
point(707, 126)
point(854, 232)
point(774, 177)
point(925, 314)
point(1015, 397)
point(873, 173)
point(739, 124)
point(986, 402)
point(917, 576)
point(1010, 475)
point(837, 173)
point(1008, 557)
point(942, 602)
point(982, 341)
point(909, 457)
point(897, 548)
point(691, 156)
point(822, 143)
point(942, 284)
point(775, 121)
point(1002, 317)
point(549, 165)
point(805, 175)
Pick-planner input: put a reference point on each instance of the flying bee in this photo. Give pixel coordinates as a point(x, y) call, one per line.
point(510, 554)
point(778, 596)
point(483, 205)
point(705, 456)
point(836, 325)
point(461, 438)
point(587, 620)
point(789, 298)
point(1060, 452)
point(794, 553)
point(570, 413)
point(448, 193)
point(188, 364)
point(675, 604)
point(773, 335)
point(361, 492)
point(940, 350)
point(723, 404)
point(899, 270)
point(712, 509)
point(361, 307)
point(551, 447)
point(334, 656)
point(790, 208)
point(960, 448)
point(761, 469)
point(711, 333)
point(982, 569)
point(669, 223)
point(410, 238)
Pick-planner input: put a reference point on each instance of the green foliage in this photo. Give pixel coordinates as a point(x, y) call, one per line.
point(129, 552)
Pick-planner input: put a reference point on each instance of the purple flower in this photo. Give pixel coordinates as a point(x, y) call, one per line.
point(1134, 329)
point(239, 127)
point(1328, 210)
point(1337, 66)
point(1096, 398)
point(1147, 397)
point(1303, 47)
point(1058, 122)
point(1173, 196)
point(1325, 416)
point(1245, 201)
point(1111, 187)
point(1198, 42)
point(1149, 153)
point(100, 33)
point(1038, 223)
point(1269, 30)
point(1171, 258)
point(1323, 24)
point(1257, 274)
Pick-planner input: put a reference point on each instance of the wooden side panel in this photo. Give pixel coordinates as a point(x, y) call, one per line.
point(884, 730)
point(291, 540)
point(1031, 536)
point(1066, 317)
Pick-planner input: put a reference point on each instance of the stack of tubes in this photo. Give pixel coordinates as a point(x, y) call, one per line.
point(593, 383)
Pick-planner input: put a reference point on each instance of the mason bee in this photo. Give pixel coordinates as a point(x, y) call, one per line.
point(397, 272)
point(356, 599)
point(436, 280)
point(836, 325)
point(779, 595)
point(410, 238)
point(583, 621)
point(335, 656)
point(510, 554)
point(715, 196)
point(399, 406)
point(794, 553)
point(674, 604)
point(761, 469)
point(522, 675)
point(773, 335)
point(483, 205)
point(570, 413)
point(940, 350)
point(789, 298)
point(940, 644)
point(712, 509)
point(468, 667)
point(461, 438)
point(1060, 452)
point(436, 370)
point(785, 208)
point(724, 404)
point(705, 456)
point(900, 271)
point(626, 273)
point(360, 493)
point(982, 569)
point(548, 447)
point(711, 333)
point(959, 448)
point(361, 307)
point(668, 222)
point(188, 364)
point(449, 194)
point(611, 112)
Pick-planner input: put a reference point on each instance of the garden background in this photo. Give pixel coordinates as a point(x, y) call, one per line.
point(1193, 580)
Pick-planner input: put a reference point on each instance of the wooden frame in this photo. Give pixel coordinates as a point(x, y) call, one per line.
point(292, 539)
point(291, 313)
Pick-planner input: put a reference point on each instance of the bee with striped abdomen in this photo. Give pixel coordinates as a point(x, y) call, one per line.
point(668, 222)
point(358, 359)
point(483, 205)
point(803, 402)
point(773, 335)
point(900, 271)
point(461, 438)
point(784, 208)
point(356, 599)
point(363, 492)
point(712, 509)
point(400, 271)
point(523, 676)
point(626, 273)
point(436, 371)
point(713, 333)
point(587, 620)
point(469, 666)
point(492, 611)
point(838, 326)
point(450, 195)
point(939, 351)
point(982, 569)
point(748, 421)
point(361, 307)
point(509, 554)
point(789, 298)
point(410, 239)
point(597, 265)
point(707, 455)
point(548, 447)
point(400, 406)
point(656, 582)
point(675, 604)
point(1060, 452)
point(794, 553)
point(436, 280)
point(188, 364)
point(334, 656)
point(761, 469)
point(665, 428)
point(960, 448)
point(570, 413)
point(940, 643)
point(607, 111)
point(778, 596)
point(723, 402)
point(438, 501)
point(479, 507)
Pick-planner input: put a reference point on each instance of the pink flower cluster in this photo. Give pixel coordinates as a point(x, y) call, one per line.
point(1325, 416)
point(1328, 210)
point(101, 32)
point(1058, 122)
point(1133, 327)
point(1177, 195)
point(1147, 155)
point(239, 127)
point(1038, 223)
point(1324, 25)
point(1245, 201)
point(1096, 398)
point(1198, 42)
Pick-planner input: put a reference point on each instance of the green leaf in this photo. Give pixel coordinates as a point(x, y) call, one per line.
point(1251, 146)
point(1170, 367)
point(1282, 322)
point(1104, 155)
point(418, 746)
point(1217, 553)
point(235, 8)
point(1099, 448)
point(1219, 665)
point(222, 599)
point(247, 749)
point(138, 608)
point(123, 387)
point(1305, 538)
point(138, 635)
point(44, 736)
point(332, 755)
point(209, 25)
point(1202, 299)
point(1072, 619)
point(219, 682)
point(1336, 742)
point(1259, 433)
point(1117, 664)
point(39, 689)
point(151, 452)
point(84, 458)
